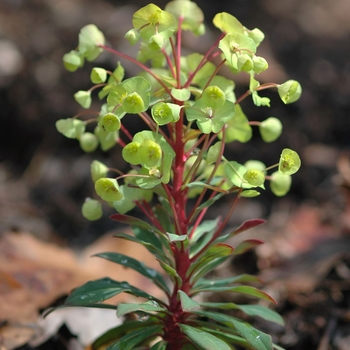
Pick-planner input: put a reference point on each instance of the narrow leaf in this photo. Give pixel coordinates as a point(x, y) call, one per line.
point(187, 303)
point(148, 307)
point(129, 341)
point(136, 265)
point(247, 245)
point(97, 291)
point(204, 339)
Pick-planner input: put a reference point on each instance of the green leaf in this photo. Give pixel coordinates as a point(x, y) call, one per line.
point(70, 128)
point(134, 338)
point(116, 333)
point(213, 153)
point(213, 97)
point(97, 291)
point(216, 251)
point(204, 339)
point(136, 265)
point(238, 127)
point(290, 91)
point(181, 94)
point(187, 303)
point(246, 290)
point(190, 64)
point(289, 162)
point(161, 345)
point(246, 245)
point(225, 282)
point(147, 307)
point(107, 139)
point(171, 272)
point(251, 310)
point(146, 243)
point(176, 238)
point(257, 339)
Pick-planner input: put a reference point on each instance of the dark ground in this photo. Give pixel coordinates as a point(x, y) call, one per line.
point(45, 177)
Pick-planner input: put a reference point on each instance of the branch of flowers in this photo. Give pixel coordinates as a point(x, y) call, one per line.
point(192, 172)
point(220, 229)
point(200, 198)
point(147, 210)
point(170, 64)
point(126, 132)
point(178, 51)
point(201, 216)
point(173, 209)
point(218, 67)
point(152, 125)
point(203, 61)
point(96, 87)
point(259, 88)
point(137, 63)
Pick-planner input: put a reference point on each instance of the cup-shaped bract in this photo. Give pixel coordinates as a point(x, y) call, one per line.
point(133, 103)
point(162, 113)
point(73, 60)
point(92, 209)
point(213, 97)
point(244, 63)
point(108, 189)
point(83, 98)
point(254, 177)
point(98, 75)
point(109, 122)
point(289, 162)
point(130, 153)
point(257, 35)
point(70, 128)
point(156, 41)
point(151, 19)
point(88, 142)
point(191, 15)
point(270, 129)
point(107, 139)
point(150, 153)
point(255, 164)
point(90, 37)
point(280, 184)
point(98, 170)
point(290, 91)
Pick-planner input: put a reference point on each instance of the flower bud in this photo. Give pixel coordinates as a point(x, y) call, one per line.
point(98, 170)
point(280, 184)
point(92, 209)
point(162, 113)
point(72, 61)
point(83, 98)
point(270, 129)
point(259, 64)
point(289, 162)
point(132, 36)
point(156, 42)
point(98, 75)
point(290, 91)
point(88, 142)
point(133, 103)
point(244, 63)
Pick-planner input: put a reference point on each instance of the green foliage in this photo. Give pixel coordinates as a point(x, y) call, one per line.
point(190, 114)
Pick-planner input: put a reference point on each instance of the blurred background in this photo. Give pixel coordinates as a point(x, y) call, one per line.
point(44, 177)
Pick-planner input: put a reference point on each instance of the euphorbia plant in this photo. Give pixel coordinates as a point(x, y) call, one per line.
point(178, 170)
